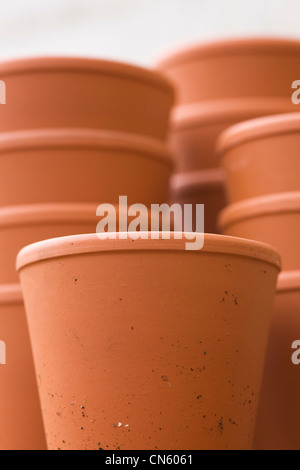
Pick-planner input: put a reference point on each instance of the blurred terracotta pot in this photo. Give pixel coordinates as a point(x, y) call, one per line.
point(273, 219)
point(168, 358)
point(233, 68)
point(200, 187)
point(21, 426)
point(261, 156)
point(81, 165)
point(277, 426)
point(195, 127)
point(77, 92)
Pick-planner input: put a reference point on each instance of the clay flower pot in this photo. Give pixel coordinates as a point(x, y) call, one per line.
point(277, 426)
point(195, 127)
point(168, 345)
point(82, 165)
point(21, 426)
point(77, 92)
point(233, 68)
point(200, 187)
point(273, 219)
point(261, 156)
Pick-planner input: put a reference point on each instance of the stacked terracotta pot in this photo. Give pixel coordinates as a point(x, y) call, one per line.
point(220, 84)
point(74, 133)
point(261, 161)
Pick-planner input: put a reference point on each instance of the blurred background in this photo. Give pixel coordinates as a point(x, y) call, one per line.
point(136, 31)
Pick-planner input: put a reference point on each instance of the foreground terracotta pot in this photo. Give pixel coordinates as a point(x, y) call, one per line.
point(78, 92)
point(195, 127)
point(233, 68)
point(200, 187)
point(21, 426)
point(78, 165)
point(273, 219)
point(261, 156)
point(168, 358)
point(278, 419)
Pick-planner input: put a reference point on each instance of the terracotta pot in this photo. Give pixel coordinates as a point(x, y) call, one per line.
point(200, 187)
point(78, 92)
point(168, 358)
point(78, 165)
point(273, 219)
point(195, 127)
point(278, 419)
point(261, 156)
point(21, 426)
point(233, 68)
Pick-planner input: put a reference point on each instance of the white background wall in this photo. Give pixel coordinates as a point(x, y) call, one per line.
point(136, 31)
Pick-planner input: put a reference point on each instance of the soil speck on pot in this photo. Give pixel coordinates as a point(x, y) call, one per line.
point(221, 425)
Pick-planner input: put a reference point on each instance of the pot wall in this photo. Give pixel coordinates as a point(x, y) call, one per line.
point(79, 165)
point(273, 219)
point(233, 68)
point(261, 157)
point(74, 92)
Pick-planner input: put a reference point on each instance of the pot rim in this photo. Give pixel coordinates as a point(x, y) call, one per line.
point(229, 47)
point(81, 137)
point(85, 64)
point(207, 179)
point(256, 129)
point(211, 112)
point(285, 202)
point(288, 281)
point(90, 243)
point(56, 212)
point(39, 214)
point(10, 294)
